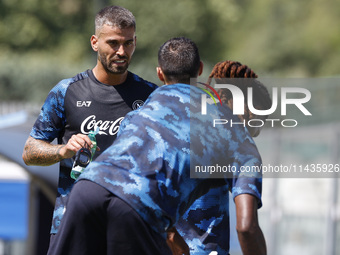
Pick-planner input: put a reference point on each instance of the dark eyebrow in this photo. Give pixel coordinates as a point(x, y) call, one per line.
point(111, 40)
point(115, 41)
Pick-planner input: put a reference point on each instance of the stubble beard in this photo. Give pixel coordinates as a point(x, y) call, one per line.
point(110, 67)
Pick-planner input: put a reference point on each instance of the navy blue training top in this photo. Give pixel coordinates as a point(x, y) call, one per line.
point(79, 105)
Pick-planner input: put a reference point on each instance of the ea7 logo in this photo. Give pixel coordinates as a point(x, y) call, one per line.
point(84, 103)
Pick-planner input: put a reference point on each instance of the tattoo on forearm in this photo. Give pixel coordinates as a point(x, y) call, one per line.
point(37, 152)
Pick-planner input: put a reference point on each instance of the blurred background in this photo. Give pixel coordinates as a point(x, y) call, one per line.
point(43, 42)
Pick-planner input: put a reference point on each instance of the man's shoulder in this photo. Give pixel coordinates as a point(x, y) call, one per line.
point(64, 84)
point(137, 79)
point(170, 92)
point(177, 88)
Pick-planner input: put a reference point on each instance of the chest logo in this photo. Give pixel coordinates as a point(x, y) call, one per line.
point(106, 127)
point(136, 104)
point(84, 103)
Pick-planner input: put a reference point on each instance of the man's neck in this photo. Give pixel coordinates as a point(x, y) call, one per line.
point(169, 82)
point(109, 78)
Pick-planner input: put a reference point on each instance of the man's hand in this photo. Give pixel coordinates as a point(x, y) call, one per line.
point(73, 145)
point(42, 153)
point(248, 230)
point(176, 243)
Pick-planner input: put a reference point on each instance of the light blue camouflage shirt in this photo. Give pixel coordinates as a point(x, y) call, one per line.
point(148, 165)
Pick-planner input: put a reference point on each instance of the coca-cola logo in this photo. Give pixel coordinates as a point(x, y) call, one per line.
point(106, 127)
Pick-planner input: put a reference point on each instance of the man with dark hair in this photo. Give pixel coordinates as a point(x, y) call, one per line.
point(178, 62)
point(130, 198)
point(94, 99)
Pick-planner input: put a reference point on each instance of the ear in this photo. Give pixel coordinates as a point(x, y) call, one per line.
point(94, 42)
point(160, 74)
point(201, 68)
point(248, 115)
point(251, 115)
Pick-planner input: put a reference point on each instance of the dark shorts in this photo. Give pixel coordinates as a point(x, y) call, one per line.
point(97, 222)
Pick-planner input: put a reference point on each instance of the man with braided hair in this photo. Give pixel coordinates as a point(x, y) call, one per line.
point(231, 69)
point(205, 225)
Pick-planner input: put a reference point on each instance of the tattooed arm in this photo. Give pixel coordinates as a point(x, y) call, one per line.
point(42, 153)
